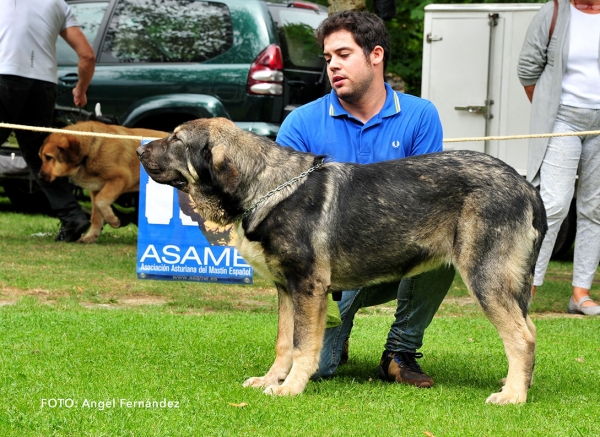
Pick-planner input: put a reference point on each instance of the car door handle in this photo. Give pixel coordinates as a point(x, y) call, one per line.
point(69, 79)
point(296, 84)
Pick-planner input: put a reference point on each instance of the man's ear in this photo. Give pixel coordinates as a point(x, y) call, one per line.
point(376, 56)
point(224, 171)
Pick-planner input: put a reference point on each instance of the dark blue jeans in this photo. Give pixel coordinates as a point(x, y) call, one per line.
point(31, 102)
point(418, 300)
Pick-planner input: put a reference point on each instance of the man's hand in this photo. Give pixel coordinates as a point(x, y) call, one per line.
point(79, 97)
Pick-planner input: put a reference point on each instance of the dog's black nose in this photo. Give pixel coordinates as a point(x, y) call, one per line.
point(140, 151)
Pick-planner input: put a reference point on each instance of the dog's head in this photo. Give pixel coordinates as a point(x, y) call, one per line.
point(223, 168)
point(61, 156)
point(201, 158)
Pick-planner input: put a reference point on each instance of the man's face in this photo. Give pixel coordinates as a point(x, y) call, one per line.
point(349, 71)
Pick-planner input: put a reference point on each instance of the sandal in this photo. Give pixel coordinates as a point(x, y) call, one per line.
point(576, 308)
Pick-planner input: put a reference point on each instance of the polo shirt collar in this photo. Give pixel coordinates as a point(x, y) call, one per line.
point(390, 107)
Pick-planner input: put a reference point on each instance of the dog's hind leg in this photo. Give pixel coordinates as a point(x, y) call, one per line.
point(102, 211)
point(495, 250)
point(109, 193)
point(284, 346)
point(519, 345)
point(533, 331)
point(502, 291)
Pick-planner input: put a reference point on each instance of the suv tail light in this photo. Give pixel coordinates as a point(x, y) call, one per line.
point(266, 72)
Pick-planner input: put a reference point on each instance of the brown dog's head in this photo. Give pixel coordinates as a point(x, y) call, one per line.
point(61, 156)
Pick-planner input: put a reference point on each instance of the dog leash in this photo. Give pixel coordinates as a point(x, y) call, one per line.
point(279, 188)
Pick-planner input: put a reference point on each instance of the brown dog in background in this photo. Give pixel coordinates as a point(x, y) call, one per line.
point(107, 167)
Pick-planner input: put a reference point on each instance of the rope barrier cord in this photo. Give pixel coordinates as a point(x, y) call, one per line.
point(62, 131)
point(520, 137)
point(447, 140)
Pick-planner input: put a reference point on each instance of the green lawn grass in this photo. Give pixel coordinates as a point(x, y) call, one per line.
point(69, 330)
point(198, 363)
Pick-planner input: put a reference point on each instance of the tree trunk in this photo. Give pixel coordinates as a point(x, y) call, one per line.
point(346, 5)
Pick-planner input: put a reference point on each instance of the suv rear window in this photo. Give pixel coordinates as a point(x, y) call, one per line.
point(299, 35)
point(298, 27)
point(167, 31)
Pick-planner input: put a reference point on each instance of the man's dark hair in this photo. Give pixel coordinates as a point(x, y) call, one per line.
point(367, 29)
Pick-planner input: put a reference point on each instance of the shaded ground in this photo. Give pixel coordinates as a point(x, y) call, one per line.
point(452, 306)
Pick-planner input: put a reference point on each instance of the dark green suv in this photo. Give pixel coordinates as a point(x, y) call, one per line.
point(163, 62)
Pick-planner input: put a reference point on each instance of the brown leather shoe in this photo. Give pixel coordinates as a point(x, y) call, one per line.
point(402, 367)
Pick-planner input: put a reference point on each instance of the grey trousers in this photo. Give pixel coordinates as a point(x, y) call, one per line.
point(558, 175)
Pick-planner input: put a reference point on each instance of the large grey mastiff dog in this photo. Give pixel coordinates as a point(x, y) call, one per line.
point(317, 227)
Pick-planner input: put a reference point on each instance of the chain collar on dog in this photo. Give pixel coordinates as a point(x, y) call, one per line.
point(279, 188)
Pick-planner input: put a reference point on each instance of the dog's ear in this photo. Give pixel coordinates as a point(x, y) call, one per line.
point(224, 171)
point(71, 148)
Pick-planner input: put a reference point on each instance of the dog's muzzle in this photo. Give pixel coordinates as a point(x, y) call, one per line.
point(47, 177)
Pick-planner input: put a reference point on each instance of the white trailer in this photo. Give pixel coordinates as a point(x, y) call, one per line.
point(470, 55)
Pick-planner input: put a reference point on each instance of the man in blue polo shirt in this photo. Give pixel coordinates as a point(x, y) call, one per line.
point(362, 121)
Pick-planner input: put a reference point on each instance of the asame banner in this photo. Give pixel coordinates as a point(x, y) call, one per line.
point(176, 243)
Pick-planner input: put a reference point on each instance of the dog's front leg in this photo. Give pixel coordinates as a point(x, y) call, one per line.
point(310, 311)
point(284, 347)
point(97, 222)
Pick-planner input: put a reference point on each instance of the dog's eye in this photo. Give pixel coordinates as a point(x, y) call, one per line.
point(174, 138)
point(48, 157)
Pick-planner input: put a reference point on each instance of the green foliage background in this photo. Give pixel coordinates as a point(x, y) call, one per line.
point(406, 34)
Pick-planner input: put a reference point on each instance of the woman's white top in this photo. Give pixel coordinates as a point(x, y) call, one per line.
point(581, 82)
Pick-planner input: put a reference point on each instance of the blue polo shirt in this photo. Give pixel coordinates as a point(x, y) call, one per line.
point(405, 126)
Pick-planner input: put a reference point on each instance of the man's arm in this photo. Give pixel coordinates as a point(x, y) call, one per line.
point(87, 62)
point(429, 136)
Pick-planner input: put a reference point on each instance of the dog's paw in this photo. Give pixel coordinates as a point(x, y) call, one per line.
point(116, 224)
point(506, 396)
point(282, 390)
point(89, 238)
point(256, 382)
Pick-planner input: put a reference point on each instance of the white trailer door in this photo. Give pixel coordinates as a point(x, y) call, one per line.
point(456, 58)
